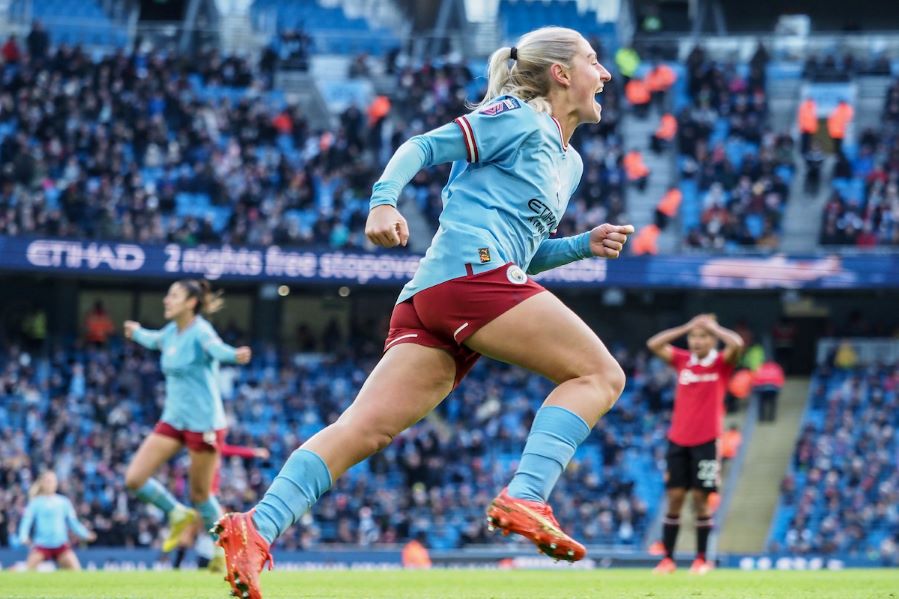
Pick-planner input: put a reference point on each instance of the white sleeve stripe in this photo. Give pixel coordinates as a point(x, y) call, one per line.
point(468, 136)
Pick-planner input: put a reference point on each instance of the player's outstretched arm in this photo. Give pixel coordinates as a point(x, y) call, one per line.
point(660, 343)
point(145, 337)
point(26, 524)
point(605, 241)
point(75, 524)
point(385, 226)
point(733, 343)
point(217, 349)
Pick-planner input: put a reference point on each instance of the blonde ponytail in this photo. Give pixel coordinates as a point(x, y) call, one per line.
point(527, 76)
point(35, 489)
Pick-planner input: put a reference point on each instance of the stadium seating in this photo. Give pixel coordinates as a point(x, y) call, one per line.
point(74, 22)
point(840, 494)
point(734, 178)
point(517, 17)
point(863, 209)
point(303, 192)
point(84, 410)
point(331, 30)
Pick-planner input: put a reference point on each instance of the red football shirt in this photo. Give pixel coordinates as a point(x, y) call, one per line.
point(699, 399)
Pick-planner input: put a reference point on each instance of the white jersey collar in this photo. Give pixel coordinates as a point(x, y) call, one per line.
point(707, 361)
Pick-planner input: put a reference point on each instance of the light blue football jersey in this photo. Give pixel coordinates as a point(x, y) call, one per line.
point(51, 517)
point(190, 361)
point(510, 183)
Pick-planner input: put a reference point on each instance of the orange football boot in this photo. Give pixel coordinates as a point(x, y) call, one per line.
point(666, 566)
point(700, 566)
point(246, 553)
point(533, 520)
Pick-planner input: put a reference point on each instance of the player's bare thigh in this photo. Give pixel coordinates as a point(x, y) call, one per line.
point(68, 561)
point(407, 383)
point(35, 558)
point(155, 451)
point(545, 336)
point(201, 474)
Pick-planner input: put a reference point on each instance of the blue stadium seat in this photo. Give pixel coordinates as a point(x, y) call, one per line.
point(331, 30)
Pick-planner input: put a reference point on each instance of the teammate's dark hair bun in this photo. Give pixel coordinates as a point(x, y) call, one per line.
point(208, 301)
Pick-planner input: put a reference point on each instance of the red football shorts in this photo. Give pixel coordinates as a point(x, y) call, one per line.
point(445, 315)
point(53, 553)
point(208, 441)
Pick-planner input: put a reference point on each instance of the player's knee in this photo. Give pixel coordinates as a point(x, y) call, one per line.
point(133, 482)
point(377, 441)
point(607, 383)
point(616, 379)
point(367, 438)
point(199, 495)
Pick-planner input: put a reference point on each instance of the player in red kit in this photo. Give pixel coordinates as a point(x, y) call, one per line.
point(696, 425)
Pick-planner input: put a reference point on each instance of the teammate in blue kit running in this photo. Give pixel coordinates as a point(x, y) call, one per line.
point(51, 516)
point(512, 176)
point(193, 414)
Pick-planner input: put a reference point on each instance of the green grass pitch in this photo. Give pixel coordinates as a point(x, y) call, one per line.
point(463, 584)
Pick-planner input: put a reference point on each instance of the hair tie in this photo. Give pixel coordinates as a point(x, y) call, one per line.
point(513, 53)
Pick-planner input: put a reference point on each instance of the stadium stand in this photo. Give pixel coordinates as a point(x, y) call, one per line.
point(74, 22)
point(735, 174)
point(517, 17)
point(83, 409)
point(216, 155)
point(863, 209)
point(330, 30)
point(840, 494)
point(212, 155)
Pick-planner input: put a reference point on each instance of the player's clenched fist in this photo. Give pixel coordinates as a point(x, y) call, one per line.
point(607, 241)
point(386, 227)
point(129, 327)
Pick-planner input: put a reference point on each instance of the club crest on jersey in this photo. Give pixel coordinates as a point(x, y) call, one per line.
point(516, 275)
point(504, 105)
point(484, 255)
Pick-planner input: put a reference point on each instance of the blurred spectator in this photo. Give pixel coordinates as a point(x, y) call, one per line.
point(98, 326)
point(767, 381)
point(636, 169)
point(731, 440)
point(845, 357)
point(783, 338)
point(808, 123)
point(293, 47)
point(664, 133)
point(637, 93)
point(359, 67)
point(38, 42)
point(659, 81)
point(628, 61)
point(837, 123)
point(10, 50)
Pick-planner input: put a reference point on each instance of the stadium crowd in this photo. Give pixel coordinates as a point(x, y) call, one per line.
point(863, 209)
point(842, 493)
point(729, 156)
point(156, 148)
point(82, 410)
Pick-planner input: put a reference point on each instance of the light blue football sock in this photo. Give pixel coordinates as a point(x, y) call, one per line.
point(210, 511)
point(302, 480)
point(154, 493)
point(555, 435)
